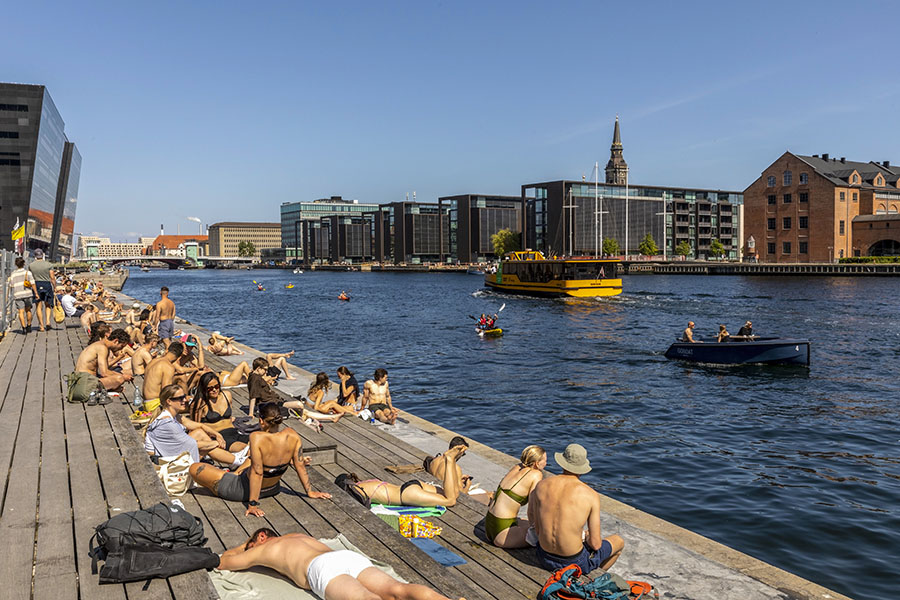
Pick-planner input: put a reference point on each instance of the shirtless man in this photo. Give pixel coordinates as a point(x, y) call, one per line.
point(377, 398)
point(164, 315)
point(94, 359)
point(222, 346)
point(144, 354)
point(160, 372)
point(89, 317)
point(688, 335)
point(559, 508)
point(330, 574)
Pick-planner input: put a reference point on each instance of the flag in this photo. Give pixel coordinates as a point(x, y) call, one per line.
point(18, 231)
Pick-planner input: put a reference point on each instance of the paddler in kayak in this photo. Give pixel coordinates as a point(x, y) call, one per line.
point(343, 296)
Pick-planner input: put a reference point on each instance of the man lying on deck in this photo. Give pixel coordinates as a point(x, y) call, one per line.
point(330, 574)
point(435, 467)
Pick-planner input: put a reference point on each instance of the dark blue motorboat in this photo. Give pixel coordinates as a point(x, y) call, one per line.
point(756, 350)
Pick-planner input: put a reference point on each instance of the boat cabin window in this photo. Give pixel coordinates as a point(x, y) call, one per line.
point(543, 272)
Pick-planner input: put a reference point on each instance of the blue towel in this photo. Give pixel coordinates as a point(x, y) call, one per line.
point(438, 552)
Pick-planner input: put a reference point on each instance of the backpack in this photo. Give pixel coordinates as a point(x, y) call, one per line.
point(138, 562)
point(163, 525)
point(567, 584)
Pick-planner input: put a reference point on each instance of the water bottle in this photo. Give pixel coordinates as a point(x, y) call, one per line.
point(137, 397)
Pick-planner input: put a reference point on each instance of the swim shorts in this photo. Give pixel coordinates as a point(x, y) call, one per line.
point(166, 329)
point(23, 303)
point(326, 567)
point(44, 291)
point(587, 560)
point(376, 407)
point(237, 487)
point(150, 405)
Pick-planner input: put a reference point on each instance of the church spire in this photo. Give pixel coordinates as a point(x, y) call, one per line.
point(616, 168)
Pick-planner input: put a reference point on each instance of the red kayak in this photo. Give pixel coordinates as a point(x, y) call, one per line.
point(344, 298)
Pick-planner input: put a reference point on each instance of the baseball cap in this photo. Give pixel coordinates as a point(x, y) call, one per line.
point(39, 253)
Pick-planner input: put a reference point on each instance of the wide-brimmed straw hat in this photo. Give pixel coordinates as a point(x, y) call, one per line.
point(573, 459)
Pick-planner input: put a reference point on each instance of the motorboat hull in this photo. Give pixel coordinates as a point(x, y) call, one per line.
point(768, 351)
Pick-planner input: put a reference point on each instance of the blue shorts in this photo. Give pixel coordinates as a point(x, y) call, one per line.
point(587, 560)
point(166, 329)
point(44, 291)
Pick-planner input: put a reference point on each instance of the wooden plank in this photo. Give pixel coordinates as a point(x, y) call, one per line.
point(55, 575)
point(18, 520)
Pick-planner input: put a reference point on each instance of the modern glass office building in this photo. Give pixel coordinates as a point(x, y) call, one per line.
point(473, 219)
point(572, 218)
point(295, 214)
point(39, 171)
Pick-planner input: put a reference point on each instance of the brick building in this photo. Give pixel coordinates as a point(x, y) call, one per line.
point(820, 209)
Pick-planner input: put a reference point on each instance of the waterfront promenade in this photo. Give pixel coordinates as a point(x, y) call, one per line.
point(69, 467)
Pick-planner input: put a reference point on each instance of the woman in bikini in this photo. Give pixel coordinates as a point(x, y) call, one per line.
point(348, 388)
point(411, 493)
point(272, 451)
point(316, 398)
point(501, 524)
point(212, 406)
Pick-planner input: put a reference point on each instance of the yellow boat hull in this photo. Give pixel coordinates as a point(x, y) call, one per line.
point(578, 288)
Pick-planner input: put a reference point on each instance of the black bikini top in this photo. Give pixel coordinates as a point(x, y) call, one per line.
point(212, 416)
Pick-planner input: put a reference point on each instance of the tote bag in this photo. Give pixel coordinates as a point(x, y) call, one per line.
point(175, 474)
point(58, 315)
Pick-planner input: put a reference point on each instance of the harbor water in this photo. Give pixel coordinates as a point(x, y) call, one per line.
point(799, 467)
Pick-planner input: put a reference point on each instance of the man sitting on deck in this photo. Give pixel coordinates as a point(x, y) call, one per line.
point(377, 398)
point(559, 508)
point(92, 367)
point(160, 372)
point(330, 574)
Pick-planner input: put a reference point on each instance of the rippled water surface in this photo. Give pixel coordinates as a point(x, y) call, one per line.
point(798, 467)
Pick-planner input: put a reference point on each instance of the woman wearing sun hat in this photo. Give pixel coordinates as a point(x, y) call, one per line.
point(559, 508)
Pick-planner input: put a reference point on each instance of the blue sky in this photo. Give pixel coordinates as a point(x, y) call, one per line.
point(224, 110)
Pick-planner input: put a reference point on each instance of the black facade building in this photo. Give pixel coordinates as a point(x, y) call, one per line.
point(39, 171)
point(473, 219)
point(418, 232)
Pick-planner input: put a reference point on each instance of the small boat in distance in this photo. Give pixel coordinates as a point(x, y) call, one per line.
point(528, 272)
point(145, 269)
point(298, 271)
point(344, 296)
point(495, 332)
point(473, 270)
point(746, 351)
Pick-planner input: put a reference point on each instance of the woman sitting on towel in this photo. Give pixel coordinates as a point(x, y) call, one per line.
point(212, 406)
point(316, 398)
point(501, 524)
point(272, 451)
point(168, 434)
point(411, 493)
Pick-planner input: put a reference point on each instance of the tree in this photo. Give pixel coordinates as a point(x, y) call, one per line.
point(683, 249)
point(246, 249)
point(648, 247)
point(610, 247)
point(716, 249)
point(506, 241)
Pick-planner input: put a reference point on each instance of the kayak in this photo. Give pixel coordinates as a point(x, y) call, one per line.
point(289, 286)
point(495, 332)
point(344, 298)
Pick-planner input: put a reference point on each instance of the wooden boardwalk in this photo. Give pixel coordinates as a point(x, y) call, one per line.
point(70, 467)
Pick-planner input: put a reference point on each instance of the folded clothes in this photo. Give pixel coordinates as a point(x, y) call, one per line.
point(438, 552)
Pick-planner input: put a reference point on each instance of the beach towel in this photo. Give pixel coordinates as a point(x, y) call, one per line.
point(260, 582)
point(438, 552)
point(419, 511)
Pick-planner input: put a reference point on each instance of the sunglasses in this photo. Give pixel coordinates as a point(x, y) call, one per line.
point(216, 386)
point(178, 399)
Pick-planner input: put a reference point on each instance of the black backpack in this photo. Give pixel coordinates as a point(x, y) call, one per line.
point(138, 562)
point(167, 526)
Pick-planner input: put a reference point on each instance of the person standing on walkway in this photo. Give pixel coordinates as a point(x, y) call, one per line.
point(559, 507)
point(165, 316)
point(43, 279)
point(21, 288)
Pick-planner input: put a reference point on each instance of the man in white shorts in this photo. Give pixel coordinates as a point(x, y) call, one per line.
point(330, 574)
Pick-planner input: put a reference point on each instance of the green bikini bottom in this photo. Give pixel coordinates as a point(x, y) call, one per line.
point(494, 525)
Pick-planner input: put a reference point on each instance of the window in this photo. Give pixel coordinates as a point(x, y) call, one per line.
point(785, 247)
point(803, 222)
point(786, 199)
point(804, 178)
point(786, 223)
point(843, 196)
point(788, 178)
point(804, 248)
point(770, 181)
point(9, 134)
point(856, 179)
point(804, 196)
point(14, 107)
point(855, 197)
point(770, 247)
point(770, 224)
point(841, 228)
point(771, 198)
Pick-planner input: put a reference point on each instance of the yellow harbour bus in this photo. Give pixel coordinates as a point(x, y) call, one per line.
point(528, 272)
